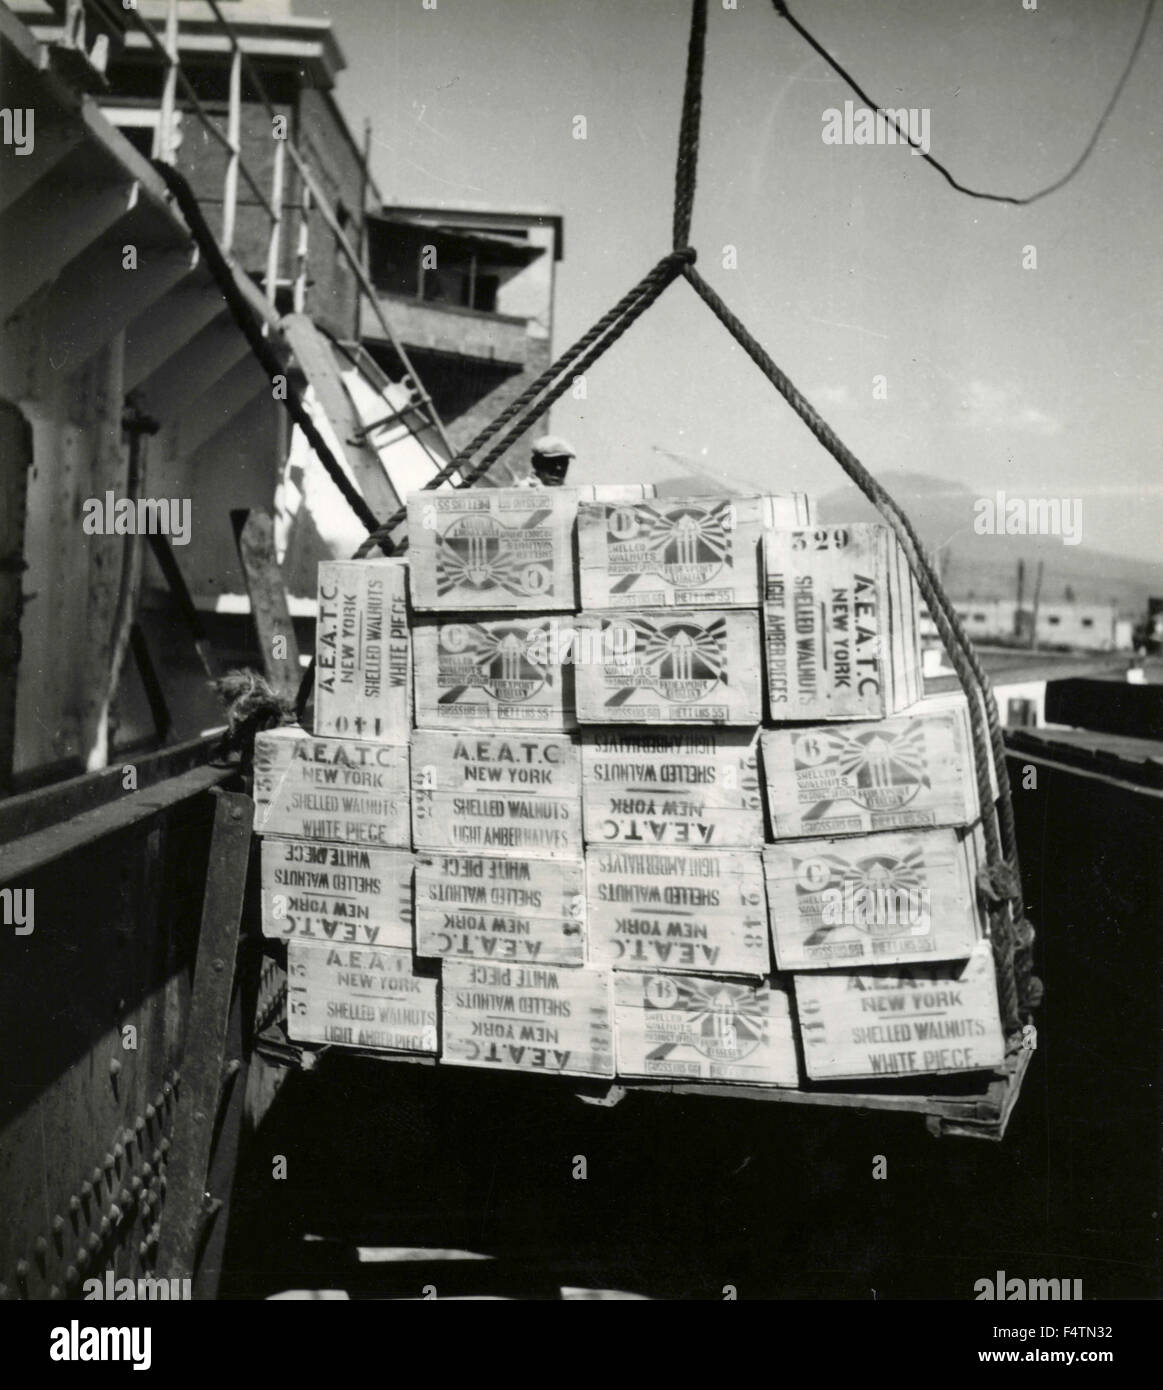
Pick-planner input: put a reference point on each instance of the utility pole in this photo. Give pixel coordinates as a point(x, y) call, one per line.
point(1021, 596)
point(1037, 600)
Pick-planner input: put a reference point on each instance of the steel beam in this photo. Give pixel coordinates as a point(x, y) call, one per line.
point(216, 407)
point(52, 225)
point(167, 326)
point(91, 302)
point(209, 355)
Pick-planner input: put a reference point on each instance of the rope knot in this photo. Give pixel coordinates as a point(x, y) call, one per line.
point(252, 705)
point(683, 255)
point(997, 883)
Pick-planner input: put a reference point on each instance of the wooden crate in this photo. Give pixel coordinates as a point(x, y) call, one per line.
point(697, 666)
point(346, 894)
point(700, 910)
point(841, 624)
point(492, 548)
point(501, 908)
point(527, 1018)
point(703, 1028)
point(359, 996)
point(681, 787)
point(901, 1022)
point(363, 678)
point(502, 673)
point(874, 899)
point(611, 492)
point(911, 770)
point(486, 791)
point(678, 552)
point(350, 791)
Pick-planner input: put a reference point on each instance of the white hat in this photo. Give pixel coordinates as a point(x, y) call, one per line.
point(553, 446)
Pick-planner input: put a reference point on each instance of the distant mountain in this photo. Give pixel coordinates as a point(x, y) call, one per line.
point(986, 566)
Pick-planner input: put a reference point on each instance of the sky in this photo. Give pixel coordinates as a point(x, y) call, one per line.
point(854, 263)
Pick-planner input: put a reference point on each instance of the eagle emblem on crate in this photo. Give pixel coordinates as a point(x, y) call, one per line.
point(878, 893)
point(687, 545)
point(480, 553)
point(498, 659)
point(725, 1022)
point(878, 770)
point(681, 660)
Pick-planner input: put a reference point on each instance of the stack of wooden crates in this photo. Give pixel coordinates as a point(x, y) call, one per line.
point(678, 808)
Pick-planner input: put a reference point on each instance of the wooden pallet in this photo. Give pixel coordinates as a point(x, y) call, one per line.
point(983, 1114)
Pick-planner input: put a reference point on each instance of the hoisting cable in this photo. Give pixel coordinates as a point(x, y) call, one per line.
point(782, 10)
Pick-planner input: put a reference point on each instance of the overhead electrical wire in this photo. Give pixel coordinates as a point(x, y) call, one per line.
point(782, 10)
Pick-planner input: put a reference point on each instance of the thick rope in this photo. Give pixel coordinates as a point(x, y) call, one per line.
point(994, 816)
point(667, 270)
point(686, 166)
point(605, 331)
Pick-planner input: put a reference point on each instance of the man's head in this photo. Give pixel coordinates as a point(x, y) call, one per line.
point(551, 459)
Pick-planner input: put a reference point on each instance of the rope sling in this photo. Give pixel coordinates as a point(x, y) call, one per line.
point(999, 883)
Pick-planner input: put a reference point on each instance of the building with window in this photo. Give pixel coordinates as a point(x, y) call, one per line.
point(1081, 626)
point(470, 292)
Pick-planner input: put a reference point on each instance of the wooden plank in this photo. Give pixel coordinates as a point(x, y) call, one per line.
point(359, 996)
point(494, 674)
point(53, 842)
point(877, 899)
point(346, 894)
point(901, 1022)
point(204, 1054)
point(363, 682)
point(700, 910)
point(912, 770)
point(346, 791)
point(488, 791)
point(700, 1027)
point(527, 1018)
point(672, 787)
point(316, 357)
point(255, 537)
point(488, 907)
point(16, 451)
point(696, 666)
point(493, 548)
point(45, 806)
point(678, 552)
point(828, 618)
